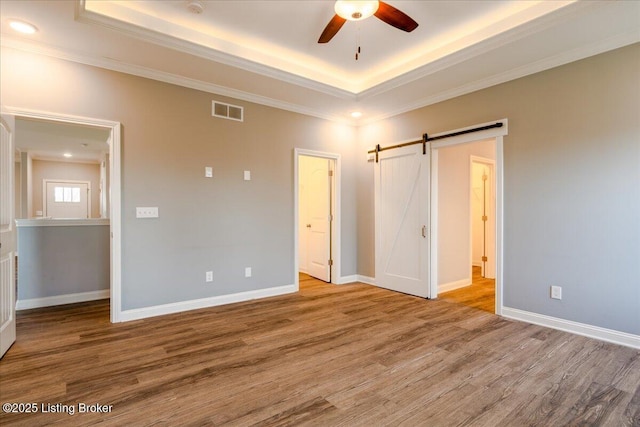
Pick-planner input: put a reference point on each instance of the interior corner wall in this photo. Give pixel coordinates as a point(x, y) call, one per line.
point(571, 193)
point(221, 224)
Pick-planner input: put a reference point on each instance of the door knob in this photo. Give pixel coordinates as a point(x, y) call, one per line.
point(308, 225)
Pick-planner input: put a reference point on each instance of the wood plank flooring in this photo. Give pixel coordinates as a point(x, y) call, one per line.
point(480, 294)
point(350, 355)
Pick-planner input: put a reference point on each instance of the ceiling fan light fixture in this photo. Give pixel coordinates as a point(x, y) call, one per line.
point(356, 10)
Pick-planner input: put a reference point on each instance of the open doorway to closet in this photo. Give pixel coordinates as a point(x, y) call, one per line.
point(317, 214)
point(467, 223)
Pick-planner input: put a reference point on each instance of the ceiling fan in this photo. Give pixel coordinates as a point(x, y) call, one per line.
point(357, 10)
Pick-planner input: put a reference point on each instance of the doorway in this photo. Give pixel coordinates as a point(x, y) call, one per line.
point(112, 194)
point(446, 258)
point(317, 215)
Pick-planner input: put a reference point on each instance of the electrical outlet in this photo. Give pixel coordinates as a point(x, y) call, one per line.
point(208, 172)
point(208, 277)
point(556, 292)
point(247, 272)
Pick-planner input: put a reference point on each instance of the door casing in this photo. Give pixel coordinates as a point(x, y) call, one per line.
point(497, 134)
point(115, 204)
point(335, 224)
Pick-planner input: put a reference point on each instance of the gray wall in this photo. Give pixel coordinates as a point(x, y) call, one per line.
point(572, 185)
point(572, 169)
point(59, 260)
point(222, 224)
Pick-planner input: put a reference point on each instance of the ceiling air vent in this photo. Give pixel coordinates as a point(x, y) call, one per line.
point(227, 111)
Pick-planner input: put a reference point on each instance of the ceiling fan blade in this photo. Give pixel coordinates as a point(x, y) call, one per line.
point(331, 29)
point(396, 18)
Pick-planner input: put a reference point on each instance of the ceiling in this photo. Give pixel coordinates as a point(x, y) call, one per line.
point(267, 51)
point(46, 140)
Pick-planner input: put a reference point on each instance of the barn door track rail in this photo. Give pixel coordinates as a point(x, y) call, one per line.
point(426, 138)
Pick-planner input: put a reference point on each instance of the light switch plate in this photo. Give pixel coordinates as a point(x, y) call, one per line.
point(247, 272)
point(247, 175)
point(147, 212)
point(208, 172)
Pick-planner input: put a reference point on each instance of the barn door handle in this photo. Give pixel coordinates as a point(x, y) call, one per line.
point(424, 231)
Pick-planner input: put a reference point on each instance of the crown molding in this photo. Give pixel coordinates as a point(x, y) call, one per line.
point(328, 84)
point(448, 57)
point(567, 57)
point(149, 73)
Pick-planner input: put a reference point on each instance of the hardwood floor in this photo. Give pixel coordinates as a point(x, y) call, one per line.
point(480, 294)
point(350, 355)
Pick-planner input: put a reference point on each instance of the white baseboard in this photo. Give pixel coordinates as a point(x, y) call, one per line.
point(347, 279)
point(26, 304)
point(446, 287)
point(176, 307)
point(609, 335)
point(366, 279)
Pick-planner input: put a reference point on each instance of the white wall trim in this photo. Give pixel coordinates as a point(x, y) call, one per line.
point(366, 280)
point(115, 204)
point(62, 222)
point(175, 79)
point(446, 287)
point(347, 279)
point(544, 64)
point(596, 332)
point(177, 307)
point(26, 304)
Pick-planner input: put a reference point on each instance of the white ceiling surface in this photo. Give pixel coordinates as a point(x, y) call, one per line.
point(45, 140)
point(267, 51)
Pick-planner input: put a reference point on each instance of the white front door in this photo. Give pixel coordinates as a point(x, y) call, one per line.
point(401, 220)
point(7, 237)
point(67, 199)
point(318, 199)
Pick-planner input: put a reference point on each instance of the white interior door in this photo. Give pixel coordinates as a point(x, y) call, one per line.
point(402, 216)
point(7, 237)
point(483, 216)
point(318, 188)
point(67, 199)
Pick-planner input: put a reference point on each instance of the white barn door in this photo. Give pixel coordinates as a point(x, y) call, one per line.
point(402, 219)
point(7, 237)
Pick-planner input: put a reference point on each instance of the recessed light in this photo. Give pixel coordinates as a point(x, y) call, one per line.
point(195, 6)
point(67, 155)
point(356, 114)
point(22, 27)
